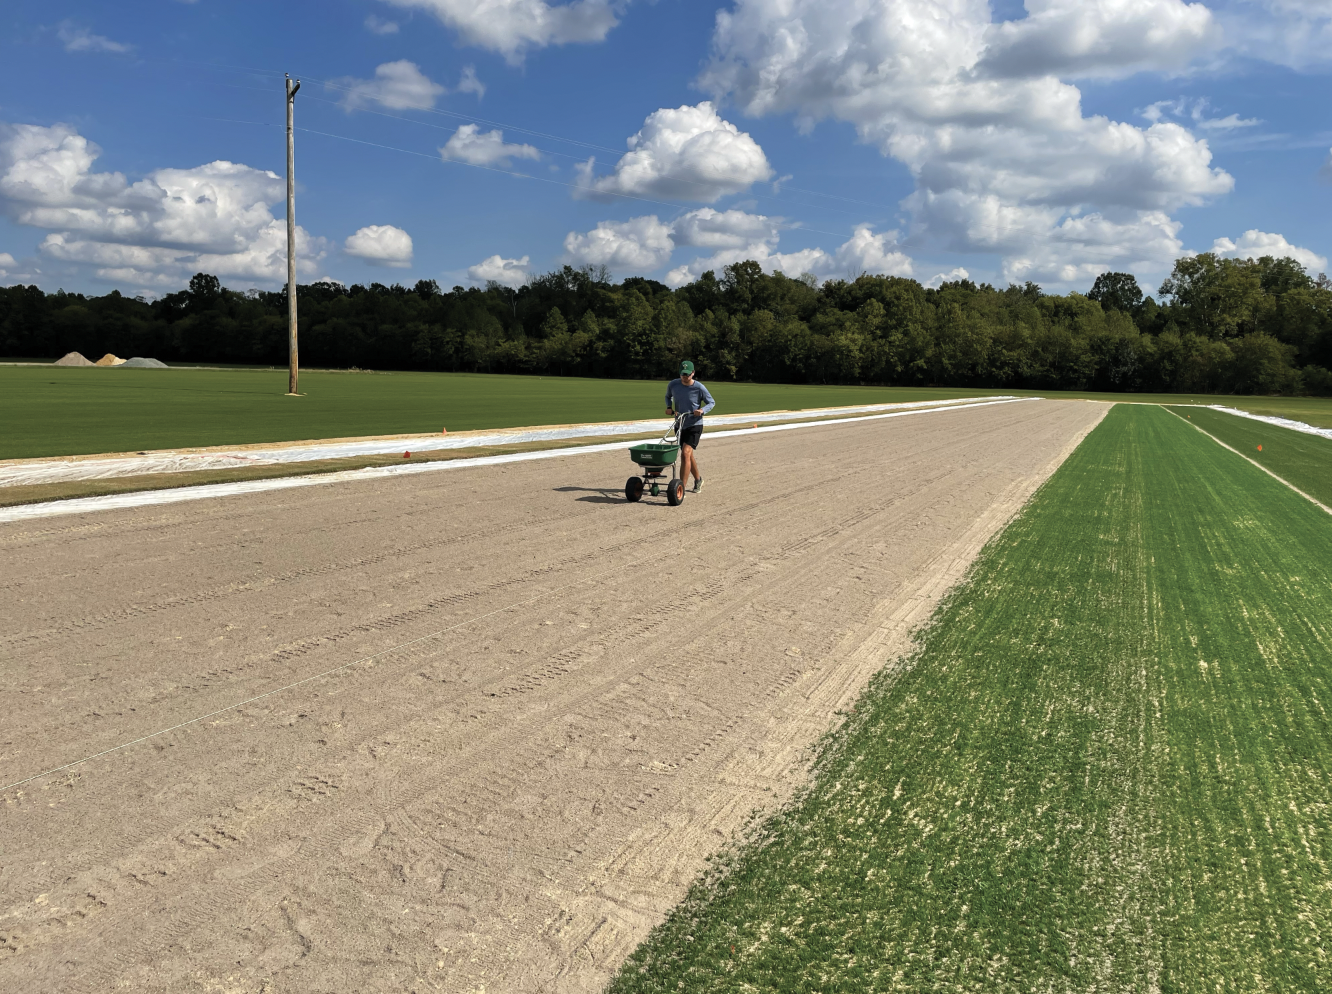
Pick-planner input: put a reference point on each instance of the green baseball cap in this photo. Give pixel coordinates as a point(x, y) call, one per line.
point(686, 368)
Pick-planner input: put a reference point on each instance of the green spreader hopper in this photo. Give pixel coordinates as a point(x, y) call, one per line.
point(656, 458)
point(655, 454)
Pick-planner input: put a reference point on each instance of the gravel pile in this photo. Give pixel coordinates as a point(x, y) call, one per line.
point(139, 362)
point(109, 360)
point(72, 359)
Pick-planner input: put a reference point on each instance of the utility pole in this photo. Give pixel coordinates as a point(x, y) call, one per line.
point(293, 355)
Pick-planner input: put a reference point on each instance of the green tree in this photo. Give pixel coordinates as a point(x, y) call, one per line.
point(1216, 297)
point(204, 290)
point(635, 348)
point(1118, 291)
point(1261, 364)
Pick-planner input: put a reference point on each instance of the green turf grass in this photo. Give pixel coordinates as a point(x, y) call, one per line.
point(59, 410)
point(1311, 410)
point(1304, 460)
point(72, 410)
point(1108, 769)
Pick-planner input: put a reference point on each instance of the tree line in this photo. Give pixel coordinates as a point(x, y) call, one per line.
point(1220, 326)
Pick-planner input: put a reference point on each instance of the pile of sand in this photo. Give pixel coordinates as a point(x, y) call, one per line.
point(138, 362)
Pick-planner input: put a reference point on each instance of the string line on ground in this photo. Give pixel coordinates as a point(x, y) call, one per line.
point(1312, 500)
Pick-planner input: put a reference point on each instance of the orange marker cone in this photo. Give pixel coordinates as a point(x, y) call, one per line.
point(443, 431)
point(1260, 448)
point(406, 455)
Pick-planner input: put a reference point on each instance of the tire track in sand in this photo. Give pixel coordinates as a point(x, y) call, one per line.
point(541, 838)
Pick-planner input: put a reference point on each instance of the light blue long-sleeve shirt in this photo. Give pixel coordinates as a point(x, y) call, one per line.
point(694, 397)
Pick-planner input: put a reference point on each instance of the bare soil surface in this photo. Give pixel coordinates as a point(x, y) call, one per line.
point(572, 701)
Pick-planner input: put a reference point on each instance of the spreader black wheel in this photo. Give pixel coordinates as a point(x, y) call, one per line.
point(675, 493)
point(633, 489)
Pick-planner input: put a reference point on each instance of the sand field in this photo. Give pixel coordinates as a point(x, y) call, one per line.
point(541, 708)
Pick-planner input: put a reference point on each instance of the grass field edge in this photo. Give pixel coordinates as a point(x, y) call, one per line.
point(821, 756)
point(1284, 482)
point(302, 474)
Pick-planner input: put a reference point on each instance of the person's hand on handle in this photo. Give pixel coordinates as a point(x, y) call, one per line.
point(698, 412)
point(670, 412)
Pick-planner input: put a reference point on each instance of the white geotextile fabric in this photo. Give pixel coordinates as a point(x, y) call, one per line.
point(147, 498)
point(64, 470)
point(1280, 422)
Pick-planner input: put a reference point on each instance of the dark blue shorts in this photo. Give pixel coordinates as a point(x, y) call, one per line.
point(691, 436)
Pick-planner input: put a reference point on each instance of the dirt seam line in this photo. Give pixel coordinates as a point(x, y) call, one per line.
point(205, 491)
point(736, 418)
point(1312, 500)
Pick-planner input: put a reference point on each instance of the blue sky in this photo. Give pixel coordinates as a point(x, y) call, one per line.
point(929, 138)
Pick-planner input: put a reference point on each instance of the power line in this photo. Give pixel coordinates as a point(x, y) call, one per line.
point(553, 182)
point(577, 188)
point(568, 155)
point(480, 120)
point(472, 118)
point(999, 229)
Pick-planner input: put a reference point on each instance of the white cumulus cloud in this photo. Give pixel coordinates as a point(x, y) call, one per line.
point(468, 83)
point(488, 149)
point(952, 276)
point(1084, 38)
point(871, 253)
point(1078, 249)
point(81, 39)
point(733, 229)
point(1295, 33)
point(637, 245)
point(381, 244)
point(378, 26)
point(1003, 157)
point(645, 243)
point(1255, 244)
point(642, 244)
point(397, 85)
point(687, 153)
point(511, 27)
point(1195, 112)
point(863, 252)
point(152, 232)
point(510, 272)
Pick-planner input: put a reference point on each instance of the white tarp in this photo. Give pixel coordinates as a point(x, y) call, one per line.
point(145, 498)
point(64, 470)
point(1280, 422)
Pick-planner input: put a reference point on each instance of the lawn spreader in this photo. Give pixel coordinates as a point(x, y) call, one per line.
point(656, 458)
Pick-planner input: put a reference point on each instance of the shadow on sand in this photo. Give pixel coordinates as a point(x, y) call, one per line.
point(595, 495)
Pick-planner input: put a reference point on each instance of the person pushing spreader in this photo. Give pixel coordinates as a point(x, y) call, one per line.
point(687, 401)
point(690, 398)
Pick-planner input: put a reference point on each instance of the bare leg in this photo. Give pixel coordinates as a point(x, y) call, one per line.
point(690, 464)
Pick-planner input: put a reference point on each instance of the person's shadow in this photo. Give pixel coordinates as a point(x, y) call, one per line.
point(595, 495)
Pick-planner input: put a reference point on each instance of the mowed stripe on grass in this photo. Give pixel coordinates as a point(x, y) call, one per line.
point(1302, 459)
point(1107, 768)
